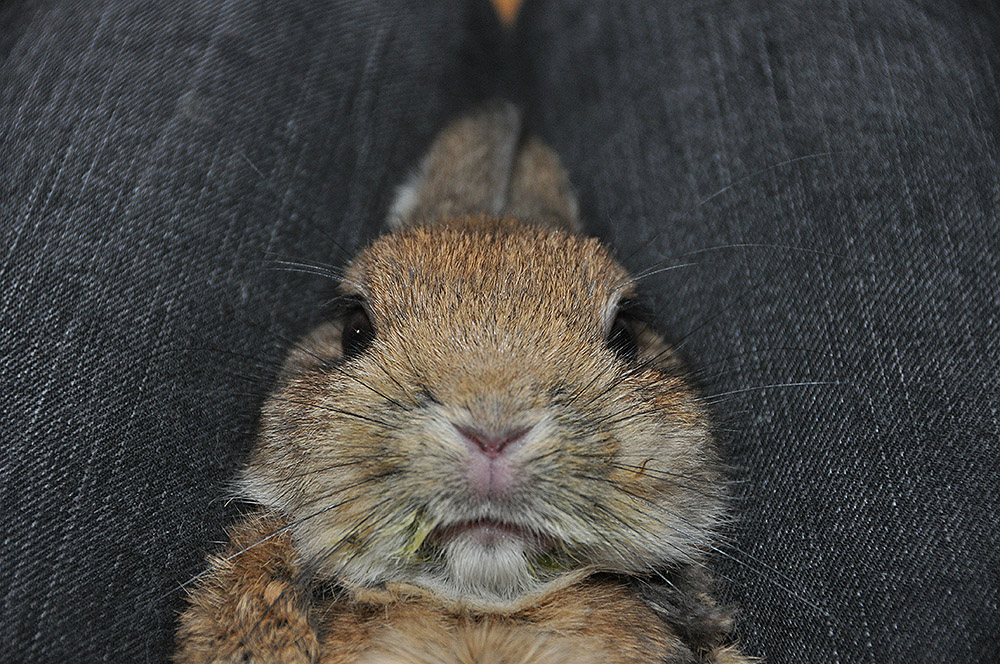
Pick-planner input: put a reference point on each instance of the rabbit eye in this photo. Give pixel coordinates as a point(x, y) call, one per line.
point(623, 340)
point(358, 333)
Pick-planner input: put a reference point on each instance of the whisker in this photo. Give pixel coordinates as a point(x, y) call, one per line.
point(252, 545)
point(592, 504)
point(304, 269)
point(340, 370)
point(752, 288)
point(352, 461)
point(665, 474)
point(315, 268)
point(712, 398)
point(704, 542)
point(786, 162)
point(652, 272)
point(312, 221)
point(335, 491)
point(331, 269)
point(756, 351)
point(301, 581)
point(318, 561)
point(331, 409)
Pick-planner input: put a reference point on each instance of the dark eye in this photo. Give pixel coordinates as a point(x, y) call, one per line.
point(358, 333)
point(622, 339)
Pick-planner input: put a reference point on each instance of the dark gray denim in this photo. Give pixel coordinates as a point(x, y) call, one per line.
point(823, 180)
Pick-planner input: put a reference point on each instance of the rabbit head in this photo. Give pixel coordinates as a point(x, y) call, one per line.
point(489, 412)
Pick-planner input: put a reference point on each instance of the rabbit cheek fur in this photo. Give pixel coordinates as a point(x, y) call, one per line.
point(486, 325)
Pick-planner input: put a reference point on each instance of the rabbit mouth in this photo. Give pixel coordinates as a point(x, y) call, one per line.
point(490, 533)
point(486, 559)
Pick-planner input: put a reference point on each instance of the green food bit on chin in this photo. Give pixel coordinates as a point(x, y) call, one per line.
point(547, 562)
point(417, 528)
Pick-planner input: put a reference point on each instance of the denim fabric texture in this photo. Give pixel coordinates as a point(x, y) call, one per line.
point(811, 191)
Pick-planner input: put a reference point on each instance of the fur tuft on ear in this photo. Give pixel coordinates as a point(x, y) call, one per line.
point(484, 164)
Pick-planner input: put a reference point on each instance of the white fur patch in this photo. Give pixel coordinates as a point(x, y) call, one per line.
point(407, 195)
point(499, 569)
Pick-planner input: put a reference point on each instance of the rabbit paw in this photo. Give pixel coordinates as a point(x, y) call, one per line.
point(250, 608)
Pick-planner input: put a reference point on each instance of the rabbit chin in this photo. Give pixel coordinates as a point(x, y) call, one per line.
point(489, 568)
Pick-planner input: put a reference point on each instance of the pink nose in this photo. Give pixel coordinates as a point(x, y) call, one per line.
point(492, 445)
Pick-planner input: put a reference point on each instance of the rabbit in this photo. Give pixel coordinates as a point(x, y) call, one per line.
point(486, 455)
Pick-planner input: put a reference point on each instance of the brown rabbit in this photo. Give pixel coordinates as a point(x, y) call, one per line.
point(487, 456)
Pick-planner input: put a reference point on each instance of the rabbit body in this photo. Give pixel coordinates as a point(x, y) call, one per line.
point(487, 456)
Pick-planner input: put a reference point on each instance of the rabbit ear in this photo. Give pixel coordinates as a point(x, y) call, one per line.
point(466, 170)
point(540, 192)
point(482, 164)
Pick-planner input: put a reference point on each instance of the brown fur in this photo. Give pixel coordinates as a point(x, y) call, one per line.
point(250, 604)
point(487, 323)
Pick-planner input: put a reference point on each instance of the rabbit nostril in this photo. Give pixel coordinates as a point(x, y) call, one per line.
point(492, 445)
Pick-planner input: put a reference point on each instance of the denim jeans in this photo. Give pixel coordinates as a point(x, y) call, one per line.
point(812, 188)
